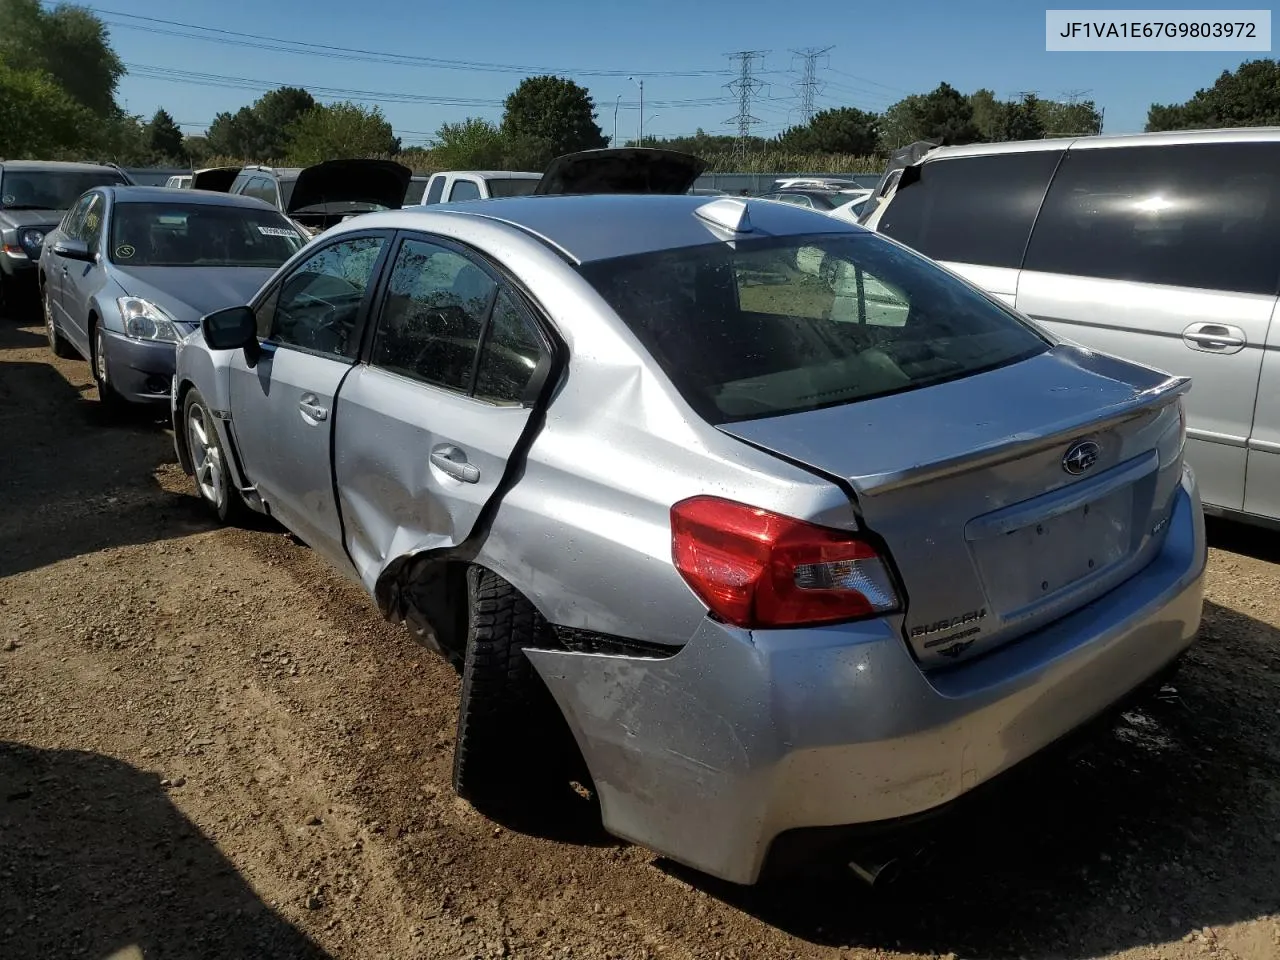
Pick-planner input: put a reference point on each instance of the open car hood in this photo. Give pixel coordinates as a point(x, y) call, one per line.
point(899, 161)
point(379, 182)
point(624, 170)
point(218, 179)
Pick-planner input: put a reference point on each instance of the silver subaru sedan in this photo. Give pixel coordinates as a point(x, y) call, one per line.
point(788, 526)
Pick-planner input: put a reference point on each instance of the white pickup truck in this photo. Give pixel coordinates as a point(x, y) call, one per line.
point(454, 185)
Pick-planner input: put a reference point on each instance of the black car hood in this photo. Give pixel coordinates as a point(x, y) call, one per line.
point(380, 182)
point(218, 179)
point(625, 170)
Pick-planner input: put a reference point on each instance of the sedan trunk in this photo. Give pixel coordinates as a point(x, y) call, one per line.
point(1002, 517)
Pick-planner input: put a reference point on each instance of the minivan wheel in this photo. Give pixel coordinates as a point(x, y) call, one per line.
point(57, 342)
point(209, 461)
point(514, 751)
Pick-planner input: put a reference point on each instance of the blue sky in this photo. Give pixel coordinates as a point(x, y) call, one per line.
point(880, 52)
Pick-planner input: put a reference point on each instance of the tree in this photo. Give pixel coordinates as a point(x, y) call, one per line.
point(548, 116)
point(38, 118)
point(1069, 119)
point(259, 131)
point(164, 138)
point(944, 115)
point(196, 149)
point(989, 114)
point(69, 44)
point(1249, 97)
point(842, 130)
point(234, 135)
point(340, 130)
point(900, 123)
point(473, 144)
point(1022, 119)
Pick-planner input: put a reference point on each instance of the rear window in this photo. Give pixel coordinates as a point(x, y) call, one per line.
point(767, 327)
point(971, 209)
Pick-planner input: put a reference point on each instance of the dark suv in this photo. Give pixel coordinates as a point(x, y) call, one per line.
point(34, 195)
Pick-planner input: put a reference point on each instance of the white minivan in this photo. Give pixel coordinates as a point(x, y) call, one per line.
point(1163, 248)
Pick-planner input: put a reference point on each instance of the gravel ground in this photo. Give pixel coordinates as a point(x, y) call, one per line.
point(212, 746)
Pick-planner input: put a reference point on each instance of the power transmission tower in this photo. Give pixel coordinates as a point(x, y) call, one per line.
point(746, 86)
point(809, 79)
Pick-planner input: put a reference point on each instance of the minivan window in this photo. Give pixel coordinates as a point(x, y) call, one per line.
point(1194, 215)
point(766, 327)
point(971, 209)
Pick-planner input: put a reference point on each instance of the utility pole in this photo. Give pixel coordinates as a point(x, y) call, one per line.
point(640, 84)
point(809, 79)
point(616, 104)
point(746, 86)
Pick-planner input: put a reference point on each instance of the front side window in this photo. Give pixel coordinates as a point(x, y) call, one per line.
point(464, 190)
point(435, 308)
point(91, 228)
point(318, 305)
point(74, 219)
point(774, 326)
point(182, 234)
point(1196, 215)
point(50, 189)
point(434, 189)
point(971, 209)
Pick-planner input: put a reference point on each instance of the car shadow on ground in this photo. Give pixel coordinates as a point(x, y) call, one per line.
point(1167, 822)
point(119, 871)
point(1261, 543)
point(73, 478)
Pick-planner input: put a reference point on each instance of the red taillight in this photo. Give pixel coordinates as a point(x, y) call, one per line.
point(753, 568)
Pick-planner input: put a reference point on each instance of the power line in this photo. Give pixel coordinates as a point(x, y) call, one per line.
point(746, 86)
point(158, 25)
point(809, 79)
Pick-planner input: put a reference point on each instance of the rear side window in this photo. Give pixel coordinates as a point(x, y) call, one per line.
point(1197, 215)
point(972, 209)
point(767, 327)
point(464, 190)
point(434, 189)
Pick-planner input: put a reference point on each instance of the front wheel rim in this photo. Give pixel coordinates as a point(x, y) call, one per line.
point(48, 319)
point(100, 357)
point(206, 458)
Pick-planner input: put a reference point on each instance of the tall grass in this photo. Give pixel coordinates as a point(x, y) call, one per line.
point(781, 162)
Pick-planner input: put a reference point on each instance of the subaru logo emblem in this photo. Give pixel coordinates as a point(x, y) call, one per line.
point(1080, 457)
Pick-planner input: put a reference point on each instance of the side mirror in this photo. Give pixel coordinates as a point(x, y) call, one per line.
point(235, 328)
point(73, 249)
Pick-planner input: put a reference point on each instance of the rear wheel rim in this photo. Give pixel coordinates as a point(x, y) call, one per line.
point(100, 357)
point(206, 458)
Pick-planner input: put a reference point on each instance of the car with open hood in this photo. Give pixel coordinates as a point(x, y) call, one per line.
point(34, 196)
point(130, 270)
point(318, 196)
point(740, 516)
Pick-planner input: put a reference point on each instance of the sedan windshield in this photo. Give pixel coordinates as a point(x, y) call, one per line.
point(200, 235)
point(50, 189)
point(762, 328)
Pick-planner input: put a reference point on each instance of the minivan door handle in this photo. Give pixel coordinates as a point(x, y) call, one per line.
point(453, 461)
point(1214, 338)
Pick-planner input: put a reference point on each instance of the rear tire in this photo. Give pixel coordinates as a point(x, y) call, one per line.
point(58, 344)
point(208, 458)
point(511, 753)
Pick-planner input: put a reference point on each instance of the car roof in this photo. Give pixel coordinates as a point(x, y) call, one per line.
point(59, 165)
point(604, 226)
point(492, 174)
point(1105, 141)
point(208, 198)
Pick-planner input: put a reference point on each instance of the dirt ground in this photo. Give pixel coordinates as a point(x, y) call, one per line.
point(212, 747)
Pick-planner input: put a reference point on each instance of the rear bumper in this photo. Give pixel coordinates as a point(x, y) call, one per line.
point(709, 755)
point(140, 370)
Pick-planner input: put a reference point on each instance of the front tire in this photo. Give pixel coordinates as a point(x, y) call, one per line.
point(58, 344)
point(109, 399)
point(514, 752)
point(209, 461)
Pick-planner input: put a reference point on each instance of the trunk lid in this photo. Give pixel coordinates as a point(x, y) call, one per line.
point(381, 183)
point(624, 170)
point(217, 179)
point(1005, 499)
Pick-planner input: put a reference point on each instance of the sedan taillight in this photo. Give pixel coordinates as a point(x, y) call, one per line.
point(753, 568)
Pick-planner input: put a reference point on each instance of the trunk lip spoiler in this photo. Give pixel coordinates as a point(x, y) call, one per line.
point(1158, 395)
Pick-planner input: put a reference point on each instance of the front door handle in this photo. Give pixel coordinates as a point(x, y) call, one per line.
point(310, 407)
point(453, 461)
point(1214, 338)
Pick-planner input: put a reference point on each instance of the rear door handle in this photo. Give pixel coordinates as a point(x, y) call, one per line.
point(453, 461)
point(311, 408)
point(1214, 338)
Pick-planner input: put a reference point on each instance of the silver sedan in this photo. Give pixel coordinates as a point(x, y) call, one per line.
point(787, 525)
